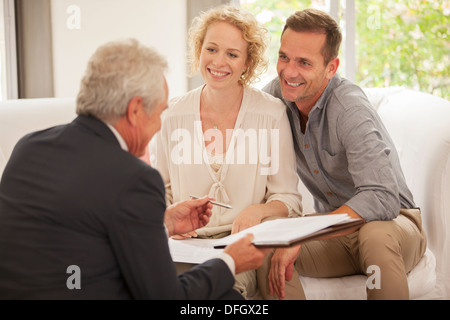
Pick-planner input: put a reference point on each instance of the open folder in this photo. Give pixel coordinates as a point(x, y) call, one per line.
point(274, 233)
point(291, 231)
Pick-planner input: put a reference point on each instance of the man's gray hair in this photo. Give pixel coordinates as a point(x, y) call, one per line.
point(116, 73)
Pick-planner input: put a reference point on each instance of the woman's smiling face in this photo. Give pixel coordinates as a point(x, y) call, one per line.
point(223, 58)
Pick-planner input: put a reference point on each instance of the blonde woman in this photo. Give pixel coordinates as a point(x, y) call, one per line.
point(226, 139)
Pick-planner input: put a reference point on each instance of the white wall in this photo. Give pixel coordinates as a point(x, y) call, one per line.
point(159, 24)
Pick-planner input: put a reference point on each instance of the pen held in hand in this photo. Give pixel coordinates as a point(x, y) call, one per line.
point(223, 205)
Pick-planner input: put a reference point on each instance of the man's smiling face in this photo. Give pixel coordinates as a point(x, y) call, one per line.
point(301, 67)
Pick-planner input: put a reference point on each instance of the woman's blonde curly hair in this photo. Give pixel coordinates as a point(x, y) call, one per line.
point(253, 32)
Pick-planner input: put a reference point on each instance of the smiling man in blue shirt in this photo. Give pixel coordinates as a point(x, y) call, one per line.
point(348, 162)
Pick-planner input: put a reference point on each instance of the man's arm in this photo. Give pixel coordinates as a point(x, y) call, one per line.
point(139, 242)
point(282, 263)
point(188, 215)
point(376, 194)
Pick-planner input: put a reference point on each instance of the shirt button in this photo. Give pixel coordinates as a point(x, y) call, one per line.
point(306, 146)
point(329, 194)
point(316, 171)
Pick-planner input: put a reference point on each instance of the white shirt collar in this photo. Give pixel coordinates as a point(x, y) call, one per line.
point(119, 138)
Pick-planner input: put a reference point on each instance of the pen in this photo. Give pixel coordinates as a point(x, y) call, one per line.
point(223, 205)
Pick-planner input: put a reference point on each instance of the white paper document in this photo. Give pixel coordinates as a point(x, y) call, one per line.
point(193, 250)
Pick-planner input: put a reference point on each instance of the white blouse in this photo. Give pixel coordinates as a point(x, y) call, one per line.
point(258, 167)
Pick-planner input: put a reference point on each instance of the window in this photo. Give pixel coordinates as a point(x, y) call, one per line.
point(404, 43)
point(2, 54)
point(386, 43)
point(8, 74)
point(3, 87)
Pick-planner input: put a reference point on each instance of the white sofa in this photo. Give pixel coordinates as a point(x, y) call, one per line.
point(19, 117)
point(420, 127)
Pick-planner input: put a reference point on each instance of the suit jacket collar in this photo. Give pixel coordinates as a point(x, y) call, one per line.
point(98, 127)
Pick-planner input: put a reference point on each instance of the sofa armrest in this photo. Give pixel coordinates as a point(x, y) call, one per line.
point(419, 125)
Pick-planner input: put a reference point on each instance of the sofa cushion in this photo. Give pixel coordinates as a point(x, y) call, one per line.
point(354, 287)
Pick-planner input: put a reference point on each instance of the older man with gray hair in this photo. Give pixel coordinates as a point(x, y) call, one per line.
point(81, 217)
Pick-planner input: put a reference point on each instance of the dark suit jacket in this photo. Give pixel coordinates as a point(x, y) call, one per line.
point(71, 196)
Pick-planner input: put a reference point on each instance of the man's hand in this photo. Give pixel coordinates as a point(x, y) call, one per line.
point(281, 269)
point(186, 216)
point(245, 255)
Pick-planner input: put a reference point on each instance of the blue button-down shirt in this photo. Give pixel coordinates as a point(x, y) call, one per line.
point(346, 155)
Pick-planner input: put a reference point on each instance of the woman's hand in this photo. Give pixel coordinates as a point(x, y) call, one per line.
point(256, 213)
point(247, 218)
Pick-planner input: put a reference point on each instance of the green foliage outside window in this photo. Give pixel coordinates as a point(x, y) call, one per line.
point(399, 43)
point(273, 14)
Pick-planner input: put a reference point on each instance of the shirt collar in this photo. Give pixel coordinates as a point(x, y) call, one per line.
point(119, 138)
point(332, 84)
point(334, 81)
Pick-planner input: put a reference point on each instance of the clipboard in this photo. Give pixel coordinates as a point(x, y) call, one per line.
point(283, 233)
point(316, 235)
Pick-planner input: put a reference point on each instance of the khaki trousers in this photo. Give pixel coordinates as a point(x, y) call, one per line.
point(391, 248)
